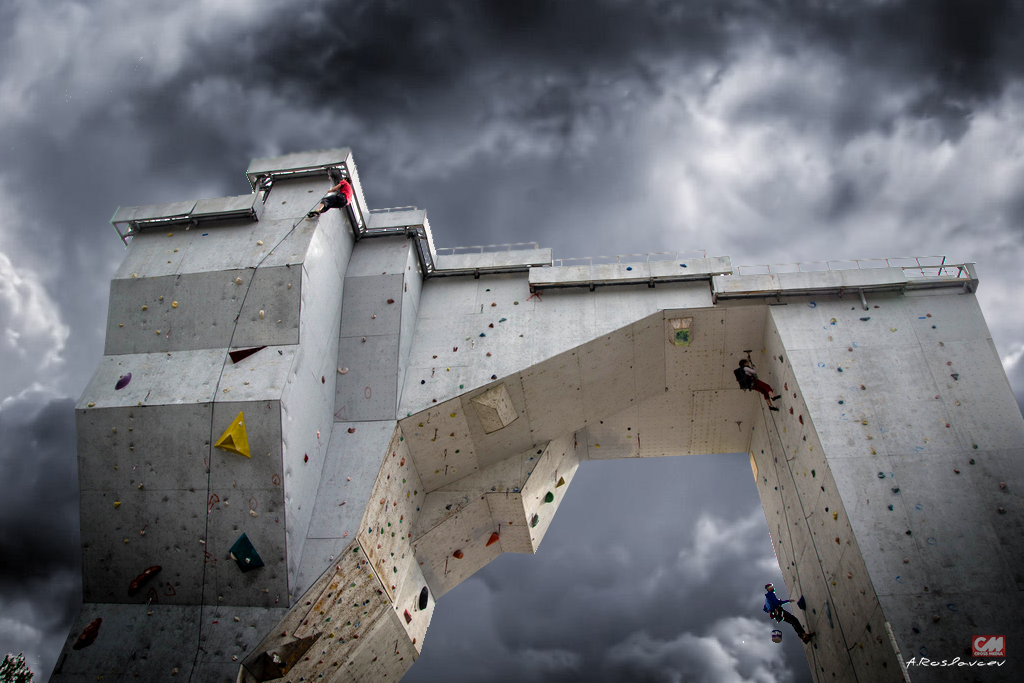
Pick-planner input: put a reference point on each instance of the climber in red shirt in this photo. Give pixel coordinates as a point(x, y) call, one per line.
point(337, 197)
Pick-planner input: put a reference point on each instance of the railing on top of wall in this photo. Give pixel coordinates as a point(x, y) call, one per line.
point(492, 248)
point(913, 266)
point(631, 258)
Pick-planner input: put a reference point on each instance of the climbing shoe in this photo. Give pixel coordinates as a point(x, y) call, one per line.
point(311, 215)
point(806, 637)
point(776, 398)
point(773, 408)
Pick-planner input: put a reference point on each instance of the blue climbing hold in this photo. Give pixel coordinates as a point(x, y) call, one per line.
point(482, 334)
point(629, 267)
point(682, 265)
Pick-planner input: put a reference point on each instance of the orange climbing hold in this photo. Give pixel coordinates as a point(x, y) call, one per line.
point(493, 539)
point(88, 635)
point(234, 438)
point(458, 555)
point(142, 578)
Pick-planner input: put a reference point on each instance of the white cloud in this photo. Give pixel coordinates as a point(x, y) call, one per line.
point(717, 541)
point(73, 52)
point(34, 335)
point(737, 650)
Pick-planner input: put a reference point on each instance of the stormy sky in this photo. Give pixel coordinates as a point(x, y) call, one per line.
point(771, 132)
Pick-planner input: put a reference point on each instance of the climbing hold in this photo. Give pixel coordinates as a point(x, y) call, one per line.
point(835, 515)
point(533, 522)
point(972, 459)
point(790, 411)
point(863, 388)
point(502, 320)
point(342, 371)
point(837, 540)
point(890, 507)
point(305, 457)
point(462, 386)
point(550, 497)
point(174, 304)
point(457, 555)
point(955, 376)
point(234, 438)
point(454, 349)
point(949, 362)
point(801, 603)
point(238, 280)
point(92, 404)
point(408, 617)
point(244, 353)
point(892, 329)
point(488, 354)
point(839, 369)
point(840, 403)
point(561, 482)
point(1002, 485)
point(141, 579)
point(391, 301)
point(123, 381)
point(88, 635)
point(867, 318)
point(947, 425)
point(956, 471)
point(145, 308)
point(262, 314)
point(1001, 510)
point(800, 418)
point(259, 243)
point(896, 489)
point(482, 334)
point(490, 325)
point(494, 377)
point(117, 503)
point(374, 316)
point(881, 475)
point(245, 555)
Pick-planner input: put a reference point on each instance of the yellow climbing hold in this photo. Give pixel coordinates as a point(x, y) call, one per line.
point(92, 404)
point(117, 503)
point(145, 308)
point(174, 304)
point(561, 482)
point(835, 515)
point(161, 298)
point(169, 234)
point(453, 414)
point(120, 324)
point(234, 438)
point(259, 242)
point(892, 329)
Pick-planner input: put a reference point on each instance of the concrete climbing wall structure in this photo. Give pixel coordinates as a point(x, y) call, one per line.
point(303, 433)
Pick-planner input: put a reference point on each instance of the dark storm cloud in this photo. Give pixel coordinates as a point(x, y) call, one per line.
point(40, 560)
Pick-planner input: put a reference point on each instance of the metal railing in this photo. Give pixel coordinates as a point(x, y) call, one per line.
point(493, 248)
point(913, 266)
point(393, 208)
point(631, 258)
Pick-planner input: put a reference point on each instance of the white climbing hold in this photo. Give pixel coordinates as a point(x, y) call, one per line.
point(261, 314)
point(342, 371)
point(259, 242)
point(238, 280)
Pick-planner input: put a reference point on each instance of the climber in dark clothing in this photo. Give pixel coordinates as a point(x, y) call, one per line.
point(773, 606)
point(747, 378)
point(338, 197)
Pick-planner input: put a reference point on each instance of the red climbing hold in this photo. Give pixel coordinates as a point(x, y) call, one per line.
point(351, 430)
point(141, 579)
point(790, 411)
point(801, 418)
point(493, 539)
point(408, 617)
point(391, 301)
point(243, 353)
point(457, 555)
point(305, 457)
point(402, 463)
point(88, 635)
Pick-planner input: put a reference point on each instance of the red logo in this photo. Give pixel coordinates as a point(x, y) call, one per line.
point(989, 646)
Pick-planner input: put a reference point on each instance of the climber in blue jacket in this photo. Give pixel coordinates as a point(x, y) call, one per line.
point(773, 606)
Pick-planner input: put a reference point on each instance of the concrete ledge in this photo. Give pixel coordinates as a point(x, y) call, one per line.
point(868, 278)
point(298, 162)
point(412, 218)
point(500, 259)
point(628, 273)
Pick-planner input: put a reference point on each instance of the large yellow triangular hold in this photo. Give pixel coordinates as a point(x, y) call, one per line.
point(234, 439)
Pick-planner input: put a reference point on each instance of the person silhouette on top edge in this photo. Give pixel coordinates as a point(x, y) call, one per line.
point(773, 606)
point(338, 197)
point(746, 375)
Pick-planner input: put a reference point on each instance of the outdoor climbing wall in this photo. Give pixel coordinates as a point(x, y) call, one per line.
point(910, 485)
point(506, 507)
point(462, 320)
point(307, 401)
point(376, 308)
point(248, 487)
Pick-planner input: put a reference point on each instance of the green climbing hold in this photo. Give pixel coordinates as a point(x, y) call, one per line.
point(549, 497)
point(245, 555)
point(533, 522)
point(462, 386)
point(503, 320)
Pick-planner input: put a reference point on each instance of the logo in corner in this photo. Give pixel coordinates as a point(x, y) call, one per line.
point(989, 646)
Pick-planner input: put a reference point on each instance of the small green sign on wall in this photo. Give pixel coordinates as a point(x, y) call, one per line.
point(681, 331)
